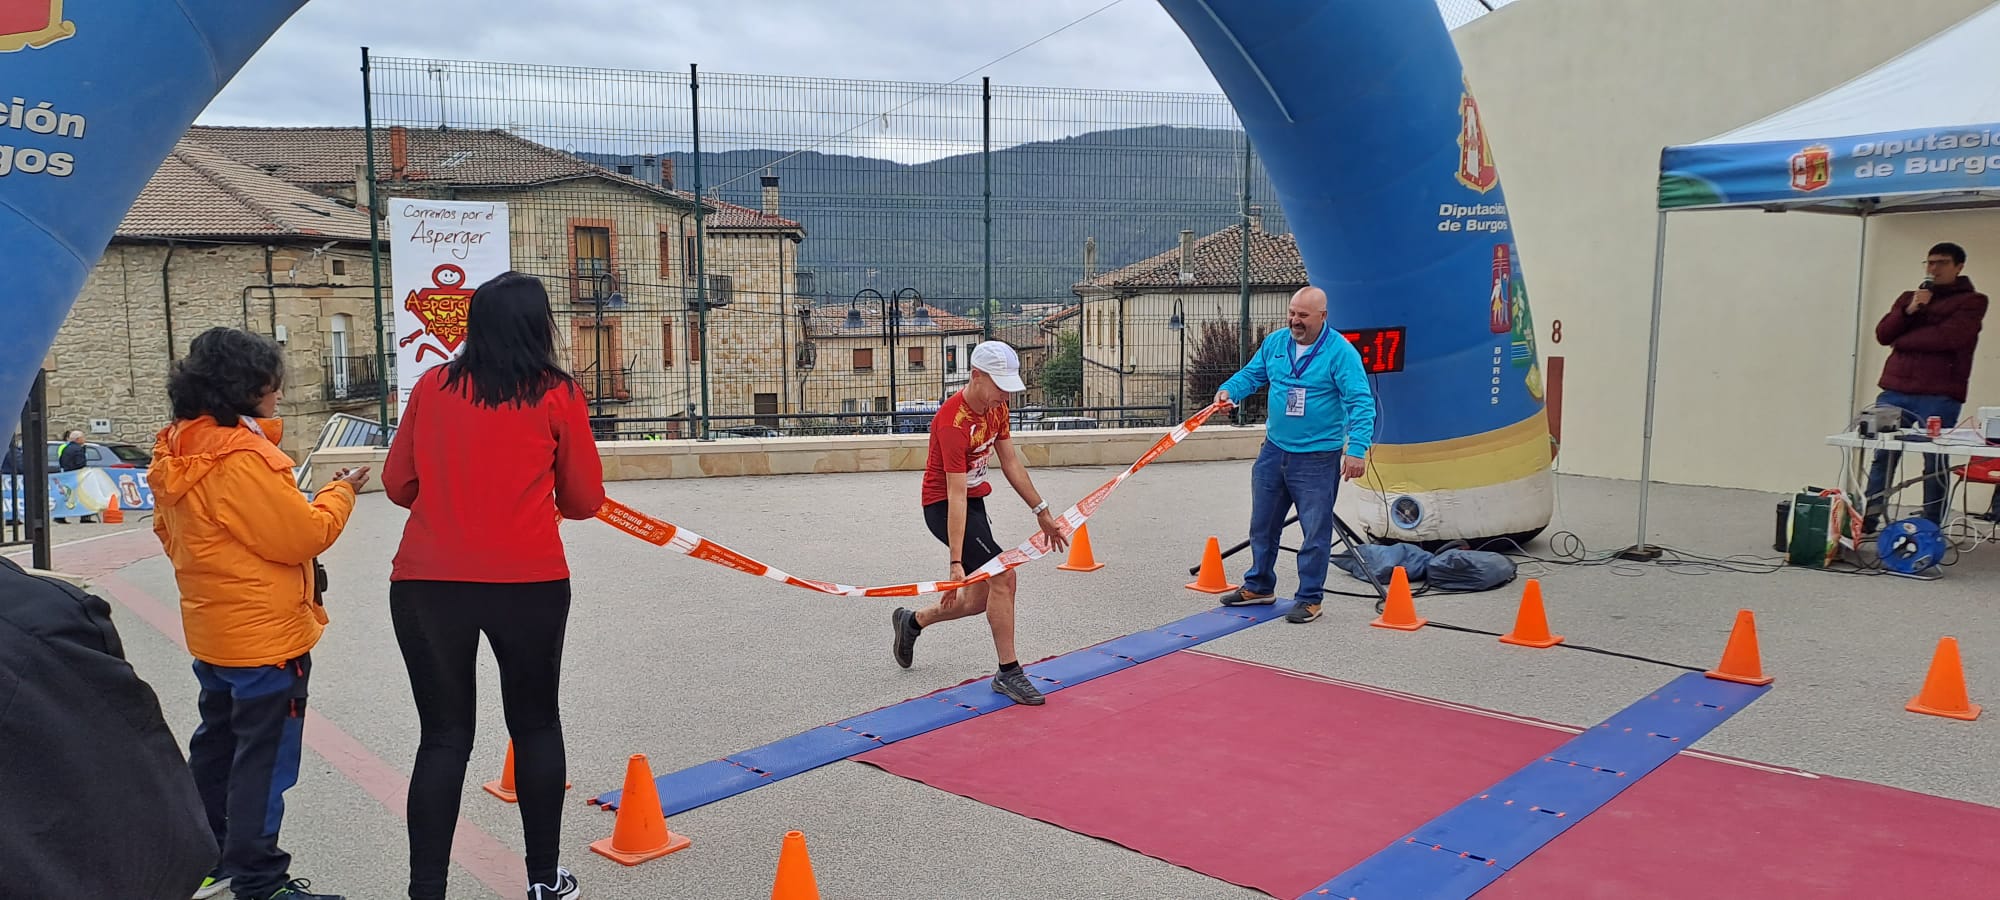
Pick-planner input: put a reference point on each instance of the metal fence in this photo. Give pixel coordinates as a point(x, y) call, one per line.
point(854, 239)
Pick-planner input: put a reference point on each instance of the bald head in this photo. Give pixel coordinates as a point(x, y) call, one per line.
point(1307, 314)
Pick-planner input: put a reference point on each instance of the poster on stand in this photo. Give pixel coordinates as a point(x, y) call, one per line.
point(440, 251)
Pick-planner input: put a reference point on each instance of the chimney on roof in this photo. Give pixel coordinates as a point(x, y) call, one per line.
point(1187, 256)
point(1089, 258)
point(770, 182)
point(1256, 218)
point(667, 172)
point(399, 152)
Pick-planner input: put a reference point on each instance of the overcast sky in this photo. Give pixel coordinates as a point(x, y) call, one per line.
point(309, 72)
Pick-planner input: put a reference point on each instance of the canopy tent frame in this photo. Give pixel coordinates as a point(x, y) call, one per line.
point(1788, 162)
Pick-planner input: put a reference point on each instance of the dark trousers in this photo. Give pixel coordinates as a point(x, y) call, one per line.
point(1937, 469)
point(244, 757)
point(438, 624)
point(1281, 481)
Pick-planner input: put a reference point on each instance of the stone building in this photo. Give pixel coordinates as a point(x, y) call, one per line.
point(617, 251)
point(851, 358)
point(213, 242)
point(1131, 355)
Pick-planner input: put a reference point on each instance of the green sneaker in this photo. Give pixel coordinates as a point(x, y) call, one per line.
point(212, 886)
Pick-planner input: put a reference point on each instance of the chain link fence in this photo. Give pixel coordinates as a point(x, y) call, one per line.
point(742, 255)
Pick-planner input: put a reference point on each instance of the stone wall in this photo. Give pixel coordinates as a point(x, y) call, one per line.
point(648, 460)
point(112, 354)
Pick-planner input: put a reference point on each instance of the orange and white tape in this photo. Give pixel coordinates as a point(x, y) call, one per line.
point(687, 543)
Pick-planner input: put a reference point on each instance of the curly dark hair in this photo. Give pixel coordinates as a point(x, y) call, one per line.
point(226, 371)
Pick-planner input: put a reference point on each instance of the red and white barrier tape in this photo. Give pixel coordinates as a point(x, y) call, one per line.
point(687, 543)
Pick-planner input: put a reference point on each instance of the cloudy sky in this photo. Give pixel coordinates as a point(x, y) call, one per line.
point(308, 74)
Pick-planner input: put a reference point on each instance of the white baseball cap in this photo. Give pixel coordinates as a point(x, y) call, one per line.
point(998, 360)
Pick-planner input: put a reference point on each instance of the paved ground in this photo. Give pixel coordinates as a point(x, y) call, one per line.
point(686, 661)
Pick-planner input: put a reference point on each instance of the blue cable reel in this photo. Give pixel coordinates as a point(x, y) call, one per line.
point(1911, 546)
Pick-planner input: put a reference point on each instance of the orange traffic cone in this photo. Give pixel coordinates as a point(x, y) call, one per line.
point(641, 831)
point(795, 871)
point(1212, 579)
point(1944, 688)
point(1080, 559)
point(504, 788)
point(1741, 662)
point(1400, 611)
point(1531, 624)
point(112, 515)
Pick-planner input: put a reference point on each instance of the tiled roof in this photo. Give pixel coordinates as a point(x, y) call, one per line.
point(200, 193)
point(1218, 259)
point(730, 217)
point(1061, 317)
point(318, 157)
point(830, 321)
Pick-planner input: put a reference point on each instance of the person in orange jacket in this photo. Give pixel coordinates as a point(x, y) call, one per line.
point(243, 541)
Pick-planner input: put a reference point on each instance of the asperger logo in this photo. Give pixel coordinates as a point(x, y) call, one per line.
point(1475, 154)
point(32, 24)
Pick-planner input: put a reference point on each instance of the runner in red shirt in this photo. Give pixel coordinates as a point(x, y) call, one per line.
point(969, 430)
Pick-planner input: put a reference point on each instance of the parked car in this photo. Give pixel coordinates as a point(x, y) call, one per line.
point(104, 456)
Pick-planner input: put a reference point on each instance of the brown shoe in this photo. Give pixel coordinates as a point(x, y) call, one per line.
point(1244, 597)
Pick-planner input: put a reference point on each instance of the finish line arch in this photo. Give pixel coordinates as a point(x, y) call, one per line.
point(1359, 111)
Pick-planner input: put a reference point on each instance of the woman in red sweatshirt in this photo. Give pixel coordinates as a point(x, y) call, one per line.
point(492, 450)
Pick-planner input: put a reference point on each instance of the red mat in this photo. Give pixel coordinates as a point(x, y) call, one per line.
point(1279, 781)
point(1255, 776)
point(1700, 828)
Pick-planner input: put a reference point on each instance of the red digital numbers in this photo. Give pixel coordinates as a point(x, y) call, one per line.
point(1381, 348)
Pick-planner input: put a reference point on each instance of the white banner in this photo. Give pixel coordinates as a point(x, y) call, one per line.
point(440, 251)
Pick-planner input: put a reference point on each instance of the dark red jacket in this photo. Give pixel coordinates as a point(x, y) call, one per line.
point(485, 486)
point(1932, 347)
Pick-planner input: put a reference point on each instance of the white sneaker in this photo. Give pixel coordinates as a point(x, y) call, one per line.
point(564, 889)
point(211, 887)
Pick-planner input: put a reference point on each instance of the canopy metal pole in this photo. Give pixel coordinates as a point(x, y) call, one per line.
point(1860, 320)
point(1639, 549)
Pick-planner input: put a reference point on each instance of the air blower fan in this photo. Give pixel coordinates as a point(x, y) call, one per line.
point(1910, 546)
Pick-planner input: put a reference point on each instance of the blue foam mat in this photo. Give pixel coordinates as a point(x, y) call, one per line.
point(1071, 669)
point(692, 787)
point(1147, 646)
point(1405, 871)
point(1212, 624)
point(805, 751)
point(1524, 811)
point(907, 719)
point(979, 696)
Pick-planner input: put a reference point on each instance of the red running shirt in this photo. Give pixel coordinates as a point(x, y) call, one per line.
point(962, 441)
point(485, 486)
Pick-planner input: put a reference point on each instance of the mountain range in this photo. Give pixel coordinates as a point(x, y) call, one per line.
point(887, 225)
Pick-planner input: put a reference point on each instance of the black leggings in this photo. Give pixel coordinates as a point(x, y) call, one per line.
point(438, 624)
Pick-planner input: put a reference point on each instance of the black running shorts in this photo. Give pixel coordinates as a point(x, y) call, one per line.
point(979, 548)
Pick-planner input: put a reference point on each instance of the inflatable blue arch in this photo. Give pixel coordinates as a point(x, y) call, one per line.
point(1359, 110)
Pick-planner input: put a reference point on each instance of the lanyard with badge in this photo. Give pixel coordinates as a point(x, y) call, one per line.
point(1295, 397)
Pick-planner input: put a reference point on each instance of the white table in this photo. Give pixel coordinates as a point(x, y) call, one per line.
point(1956, 442)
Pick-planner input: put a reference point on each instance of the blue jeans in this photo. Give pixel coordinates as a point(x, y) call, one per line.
point(1937, 472)
point(1280, 481)
point(244, 756)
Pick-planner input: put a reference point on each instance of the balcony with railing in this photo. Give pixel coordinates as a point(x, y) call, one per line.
point(354, 379)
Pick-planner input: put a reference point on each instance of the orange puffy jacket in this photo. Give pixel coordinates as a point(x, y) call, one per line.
point(242, 540)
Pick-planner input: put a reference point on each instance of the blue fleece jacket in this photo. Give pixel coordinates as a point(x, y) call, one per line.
point(1340, 409)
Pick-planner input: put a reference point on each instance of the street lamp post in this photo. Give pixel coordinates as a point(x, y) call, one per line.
point(606, 284)
point(854, 322)
point(1178, 325)
point(892, 320)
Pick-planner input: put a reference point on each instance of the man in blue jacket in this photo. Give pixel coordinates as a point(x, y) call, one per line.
point(1322, 422)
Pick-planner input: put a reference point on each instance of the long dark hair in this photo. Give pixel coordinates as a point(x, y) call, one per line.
point(226, 371)
point(510, 344)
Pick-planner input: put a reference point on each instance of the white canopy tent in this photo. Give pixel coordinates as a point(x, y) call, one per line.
point(1919, 133)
